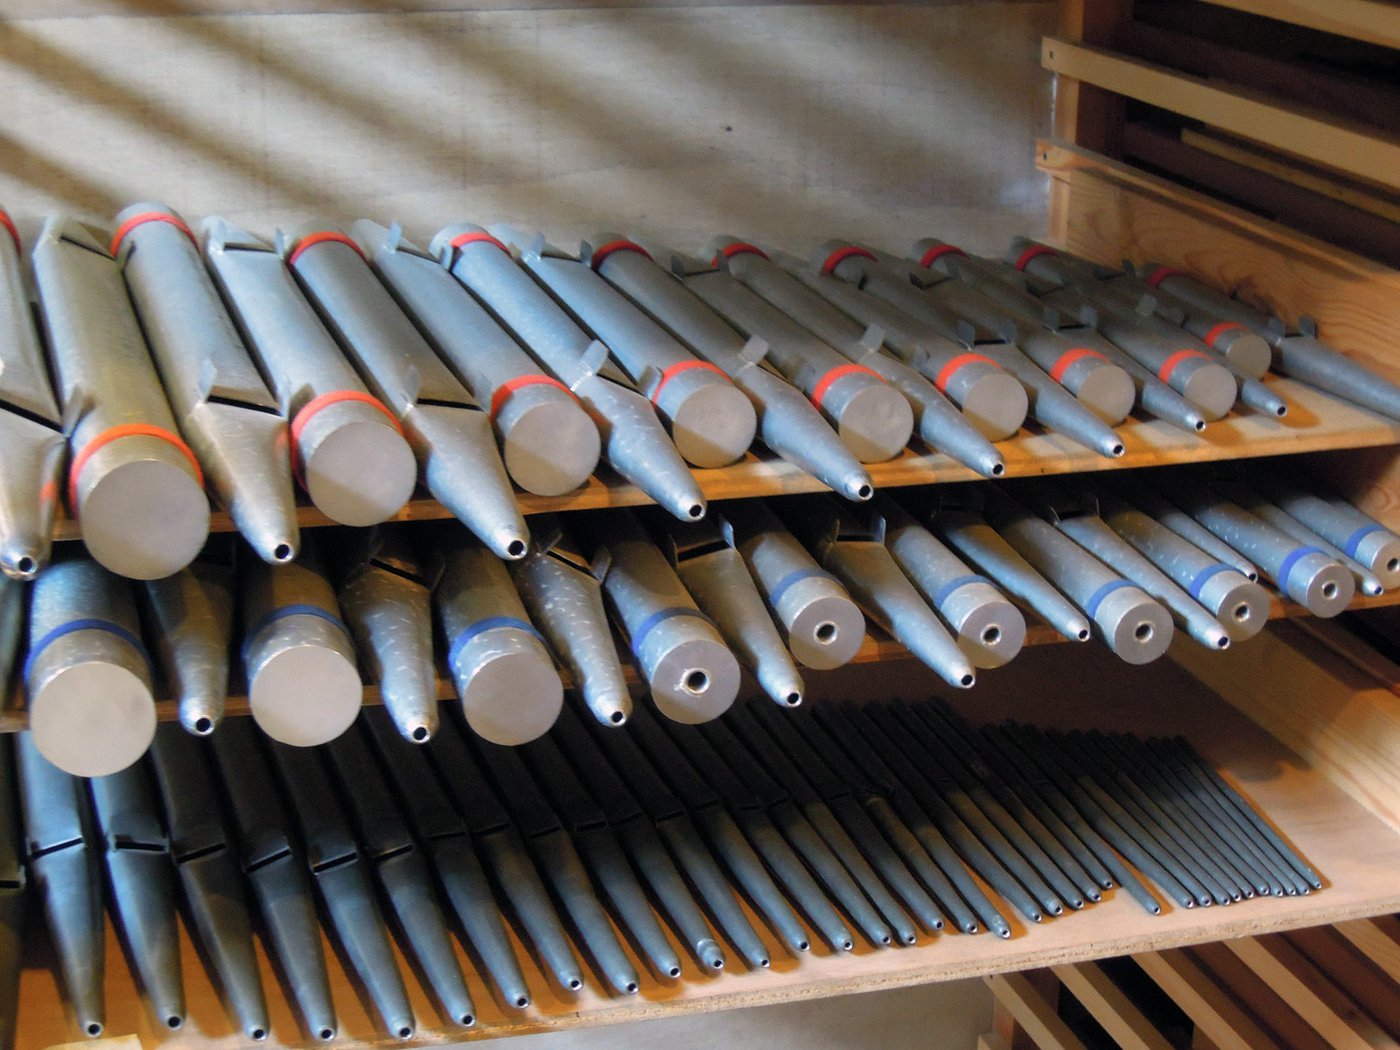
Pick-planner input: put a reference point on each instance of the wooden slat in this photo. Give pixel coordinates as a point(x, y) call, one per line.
point(1085, 113)
point(1345, 145)
point(1202, 999)
point(1033, 1012)
point(1269, 1011)
point(1304, 989)
point(992, 1041)
point(1375, 21)
point(1370, 990)
point(1378, 939)
point(1114, 1011)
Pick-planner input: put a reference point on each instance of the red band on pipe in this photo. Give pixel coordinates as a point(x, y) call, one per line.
point(1023, 260)
point(1215, 333)
point(316, 404)
point(946, 373)
point(9, 224)
point(474, 237)
point(141, 220)
point(603, 251)
point(510, 386)
point(937, 252)
point(115, 434)
point(324, 237)
point(840, 371)
point(1169, 365)
point(1069, 357)
point(1160, 274)
point(679, 367)
point(834, 259)
point(739, 248)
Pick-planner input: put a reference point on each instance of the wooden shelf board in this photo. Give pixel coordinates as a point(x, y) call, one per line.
point(1316, 423)
point(1357, 854)
point(1375, 21)
point(876, 647)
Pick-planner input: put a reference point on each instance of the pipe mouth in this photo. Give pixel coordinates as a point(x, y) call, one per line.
point(282, 552)
point(695, 511)
point(793, 699)
point(326, 1034)
point(516, 548)
point(575, 984)
point(1200, 424)
point(1393, 565)
point(998, 469)
point(1143, 632)
point(466, 1020)
point(522, 1001)
point(1222, 642)
point(966, 680)
point(825, 632)
point(1241, 612)
point(674, 972)
point(258, 1035)
point(617, 718)
point(419, 734)
point(991, 635)
point(631, 987)
point(405, 1032)
point(174, 1022)
point(695, 681)
point(1329, 590)
point(1083, 634)
point(864, 492)
point(93, 1029)
point(1118, 450)
point(26, 566)
point(203, 725)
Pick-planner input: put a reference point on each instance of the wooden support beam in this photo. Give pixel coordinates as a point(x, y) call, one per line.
point(1033, 1012)
point(1121, 1019)
point(1201, 998)
point(1084, 113)
point(1374, 21)
point(1377, 939)
point(1346, 146)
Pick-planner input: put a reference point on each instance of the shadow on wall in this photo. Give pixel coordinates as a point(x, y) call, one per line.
point(786, 123)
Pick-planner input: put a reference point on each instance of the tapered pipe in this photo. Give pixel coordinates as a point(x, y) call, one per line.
point(142, 881)
point(507, 683)
point(787, 422)
point(980, 544)
point(823, 627)
point(711, 420)
point(871, 416)
point(1340, 523)
point(938, 423)
point(1130, 623)
point(989, 629)
point(87, 675)
point(134, 485)
point(991, 399)
point(1366, 582)
point(31, 429)
point(548, 443)
point(1050, 404)
point(219, 399)
point(206, 862)
point(854, 551)
point(298, 656)
point(450, 433)
point(191, 618)
point(635, 443)
point(1164, 512)
point(1241, 606)
point(1301, 572)
point(384, 594)
point(275, 869)
point(348, 450)
point(565, 601)
point(691, 673)
point(716, 577)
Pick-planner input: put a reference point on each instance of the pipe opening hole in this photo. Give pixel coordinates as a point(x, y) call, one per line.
point(94, 1029)
point(1241, 612)
point(1329, 590)
point(26, 566)
point(966, 680)
point(696, 682)
point(1083, 635)
point(203, 726)
point(825, 632)
point(717, 964)
point(998, 469)
point(326, 1034)
point(1200, 424)
point(173, 1023)
point(282, 552)
point(674, 972)
point(1143, 632)
point(617, 718)
point(991, 635)
point(1393, 565)
point(466, 1020)
point(419, 734)
point(696, 511)
point(522, 1002)
point(864, 492)
point(258, 1034)
point(1222, 642)
point(1117, 450)
point(631, 987)
point(793, 699)
point(1282, 410)
point(405, 1031)
point(516, 548)
point(575, 984)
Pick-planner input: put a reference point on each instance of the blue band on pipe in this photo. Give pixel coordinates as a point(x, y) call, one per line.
point(1091, 607)
point(86, 624)
point(1205, 576)
point(1354, 540)
point(796, 576)
point(645, 627)
point(1294, 556)
point(466, 634)
point(945, 592)
point(295, 609)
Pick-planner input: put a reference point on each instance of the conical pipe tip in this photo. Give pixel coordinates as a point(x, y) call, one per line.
point(22, 561)
point(510, 544)
point(857, 486)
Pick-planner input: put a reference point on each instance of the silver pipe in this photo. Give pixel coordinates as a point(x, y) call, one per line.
point(191, 617)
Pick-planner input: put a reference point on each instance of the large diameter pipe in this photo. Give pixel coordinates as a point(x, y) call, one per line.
point(134, 485)
point(1357, 535)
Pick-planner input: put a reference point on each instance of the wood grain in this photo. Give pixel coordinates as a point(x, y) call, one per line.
point(1115, 1012)
point(1201, 998)
point(1375, 21)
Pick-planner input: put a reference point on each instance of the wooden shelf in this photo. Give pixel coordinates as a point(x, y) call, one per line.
point(1316, 423)
point(1356, 852)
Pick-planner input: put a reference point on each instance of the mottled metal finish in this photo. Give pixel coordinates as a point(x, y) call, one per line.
point(222, 404)
point(32, 442)
point(549, 444)
point(939, 424)
point(91, 710)
point(1367, 582)
point(787, 422)
point(851, 546)
point(191, 620)
point(143, 511)
point(635, 443)
point(388, 605)
point(1341, 524)
point(450, 433)
point(566, 603)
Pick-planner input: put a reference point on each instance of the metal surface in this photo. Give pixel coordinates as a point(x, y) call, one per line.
point(191, 620)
